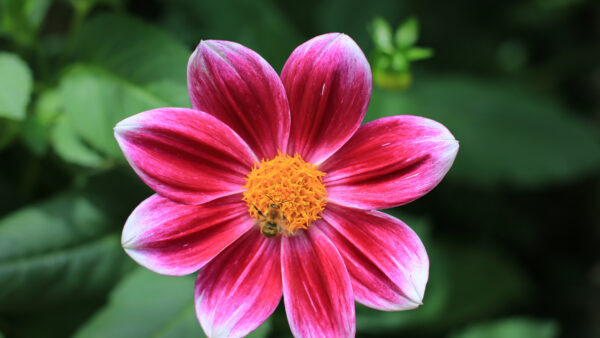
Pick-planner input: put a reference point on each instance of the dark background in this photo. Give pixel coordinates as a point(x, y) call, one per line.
point(512, 232)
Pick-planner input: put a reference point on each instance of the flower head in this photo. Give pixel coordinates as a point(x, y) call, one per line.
point(269, 186)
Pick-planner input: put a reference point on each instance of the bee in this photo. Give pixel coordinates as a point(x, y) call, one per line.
point(272, 221)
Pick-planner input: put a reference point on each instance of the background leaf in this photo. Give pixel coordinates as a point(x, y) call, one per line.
point(512, 223)
point(23, 18)
point(36, 10)
point(132, 50)
point(71, 147)
point(94, 101)
point(408, 33)
point(418, 53)
point(36, 128)
point(15, 86)
point(382, 35)
point(146, 304)
point(507, 133)
point(273, 36)
point(64, 250)
point(460, 278)
point(119, 78)
point(511, 327)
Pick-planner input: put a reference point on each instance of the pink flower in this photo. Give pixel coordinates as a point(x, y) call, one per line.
point(268, 188)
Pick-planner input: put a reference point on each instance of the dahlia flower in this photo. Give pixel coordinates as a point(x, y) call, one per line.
point(269, 186)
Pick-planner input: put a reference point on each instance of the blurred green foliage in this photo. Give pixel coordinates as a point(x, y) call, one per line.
point(513, 134)
point(512, 327)
point(22, 19)
point(394, 53)
point(140, 307)
point(512, 233)
point(15, 86)
point(459, 286)
point(131, 312)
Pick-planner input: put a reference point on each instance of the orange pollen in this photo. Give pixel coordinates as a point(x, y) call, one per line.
point(294, 186)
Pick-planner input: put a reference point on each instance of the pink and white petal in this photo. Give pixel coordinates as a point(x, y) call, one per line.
point(239, 289)
point(185, 155)
point(239, 87)
point(328, 83)
point(317, 291)
point(386, 260)
point(177, 239)
point(389, 162)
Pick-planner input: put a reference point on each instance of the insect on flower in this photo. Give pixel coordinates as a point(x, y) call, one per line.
point(271, 222)
point(269, 187)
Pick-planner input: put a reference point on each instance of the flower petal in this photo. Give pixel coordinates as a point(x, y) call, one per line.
point(177, 239)
point(240, 288)
point(239, 87)
point(386, 260)
point(328, 83)
point(390, 162)
point(184, 154)
point(317, 291)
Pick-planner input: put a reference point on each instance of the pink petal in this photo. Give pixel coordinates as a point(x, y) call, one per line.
point(240, 288)
point(177, 239)
point(328, 84)
point(316, 287)
point(386, 260)
point(184, 154)
point(239, 87)
point(390, 162)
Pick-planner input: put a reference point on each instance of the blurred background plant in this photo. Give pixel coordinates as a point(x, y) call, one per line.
point(394, 52)
point(512, 232)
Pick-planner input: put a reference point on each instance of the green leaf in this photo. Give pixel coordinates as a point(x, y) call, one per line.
point(174, 92)
point(381, 33)
point(57, 322)
point(133, 50)
point(262, 331)
point(184, 324)
point(418, 53)
point(466, 282)
point(35, 11)
point(507, 133)
point(408, 33)
point(511, 327)
point(128, 67)
point(59, 251)
point(34, 135)
point(146, 304)
point(23, 18)
point(95, 100)
point(68, 145)
point(35, 130)
point(15, 86)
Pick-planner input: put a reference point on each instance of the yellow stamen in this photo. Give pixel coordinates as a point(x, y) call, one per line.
point(293, 185)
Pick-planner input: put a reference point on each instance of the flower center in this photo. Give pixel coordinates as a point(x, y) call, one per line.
point(285, 194)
